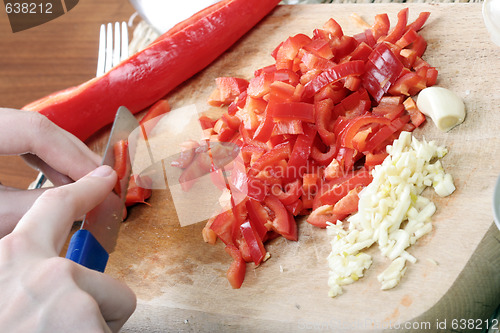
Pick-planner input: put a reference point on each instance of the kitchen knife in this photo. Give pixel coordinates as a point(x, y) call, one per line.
point(91, 245)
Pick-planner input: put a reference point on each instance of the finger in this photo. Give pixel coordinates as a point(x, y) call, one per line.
point(49, 220)
point(116, 300)
point(14, 204)
point(53, 175)
point(30, 132)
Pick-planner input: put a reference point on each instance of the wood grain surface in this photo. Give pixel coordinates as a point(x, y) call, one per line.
point(180, 281)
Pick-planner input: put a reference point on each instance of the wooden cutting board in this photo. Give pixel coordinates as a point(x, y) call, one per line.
point(180, 281)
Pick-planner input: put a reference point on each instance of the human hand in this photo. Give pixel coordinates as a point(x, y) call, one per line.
point(58, 154)
point(46, 293)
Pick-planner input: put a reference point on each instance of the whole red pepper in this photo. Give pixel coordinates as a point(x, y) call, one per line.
point(153, 72)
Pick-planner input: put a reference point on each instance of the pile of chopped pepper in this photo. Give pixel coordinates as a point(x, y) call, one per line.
point(310, 127)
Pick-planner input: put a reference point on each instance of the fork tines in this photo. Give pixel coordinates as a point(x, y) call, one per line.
point(113, 46)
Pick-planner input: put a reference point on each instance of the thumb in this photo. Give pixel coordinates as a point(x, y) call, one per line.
point(50, 218)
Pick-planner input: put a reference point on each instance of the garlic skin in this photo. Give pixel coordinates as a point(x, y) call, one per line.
point(445, 108)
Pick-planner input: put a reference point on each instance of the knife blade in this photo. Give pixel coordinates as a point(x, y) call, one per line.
point(91, 245)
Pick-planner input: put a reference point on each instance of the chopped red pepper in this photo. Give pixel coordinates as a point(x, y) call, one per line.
point(293, 110)
point(120, 152)
point(312, 125)
point(355, 67)
point(236, 272)
point(137, 194)
point(335, 192)
point(400, 27)
point(257, 251)
point(300, 153)
point(228, 88)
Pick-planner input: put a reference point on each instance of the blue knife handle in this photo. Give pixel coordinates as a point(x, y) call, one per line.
point(85, 250)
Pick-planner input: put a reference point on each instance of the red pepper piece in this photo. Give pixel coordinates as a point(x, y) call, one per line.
point(152, 117)
point(332, 92)
point(355, 125)
point(207, 122)
point(246, 185)
point(236, 272)
point(320, 48)
point(347, 157)
point(222, 226)
point(265, 129)
point(120, 152)
point(323, 115)
point(246, 135)
point(237, 104)
point(293, 110)
point(400, 27)
point(382, 69)
point(384, 133)
point(226, 91)
point(257, 251)
point(281, 92)
point(419, 45)
point(188, 151)
point(286, 76)
point(409, 84)
point(419, 22)
point(286, 126)
point(200, 166)
point(417, 117)
point(258, 216)
point(408, 57)
point(348, 204)
point(146, 76)
point(324, 157)
point(288, 50)
point(431, 76)
point(355, 104)
point(343, 46)
point(291, 192)
point(390, 107)
point(270, 158)
point(334, 74)
point(381, 27)
point(283, 222)
point(266, 69)
point(333, 27)
point(335, 192)
point(319, 219)
point(310, 183)
point(373, 159)
point(137, 194)
point(295, 208)
point(409, 37)
point(260, 85)
point(311, 61)
point(296, 166)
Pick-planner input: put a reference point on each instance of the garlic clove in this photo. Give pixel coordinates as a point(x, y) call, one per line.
point(445, 108)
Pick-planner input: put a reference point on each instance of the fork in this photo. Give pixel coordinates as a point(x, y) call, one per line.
point(112, 50)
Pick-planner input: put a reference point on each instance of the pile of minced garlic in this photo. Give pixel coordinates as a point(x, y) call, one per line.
point(391, 213)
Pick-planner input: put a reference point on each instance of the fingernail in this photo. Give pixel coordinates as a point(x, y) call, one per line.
point(102, 171)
